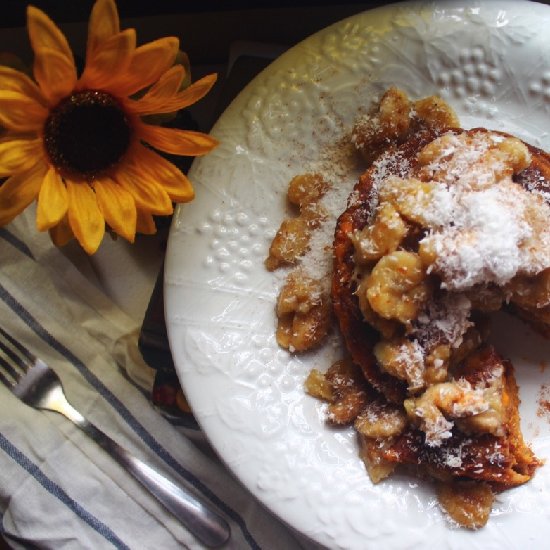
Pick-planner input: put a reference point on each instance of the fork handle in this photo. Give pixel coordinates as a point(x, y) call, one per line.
point(208, 526)
point(203, 522)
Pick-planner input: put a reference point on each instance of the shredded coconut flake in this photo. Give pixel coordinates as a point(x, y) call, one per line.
point(411, 356)
point(338, 165)
point(445, 320)
point(484, 229)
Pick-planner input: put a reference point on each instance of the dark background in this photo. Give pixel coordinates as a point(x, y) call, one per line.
point(206, 28)
point(13, 11)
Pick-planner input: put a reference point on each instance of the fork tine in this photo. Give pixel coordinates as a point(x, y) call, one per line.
point(11, 355)
point(14, 359)
point(9, 382)
point(31, 357)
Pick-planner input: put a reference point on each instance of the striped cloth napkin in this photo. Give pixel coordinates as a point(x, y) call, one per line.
point(58, 488)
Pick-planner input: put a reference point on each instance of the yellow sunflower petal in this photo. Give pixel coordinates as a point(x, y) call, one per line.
point(55, 74)
point(20, 113)
point(85, 219)
point(17, 192)
point(175, 141)
point(61, 233)
point(148, 105)
point(174, 182)
point(167, 85)
point(44, 33)
point(109, 60)
point(52, 201)
point(18, 154)
point(147, 193)
point(103, 24)
point(117, 206)
point(145, 223)
point(148, 63)
point(16, 81)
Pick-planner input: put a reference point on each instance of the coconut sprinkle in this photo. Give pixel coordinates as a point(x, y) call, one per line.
point(483, 227)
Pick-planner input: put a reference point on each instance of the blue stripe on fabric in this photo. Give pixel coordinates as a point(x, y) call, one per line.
point(125, 414)
point(15, 242)
point(55, 490)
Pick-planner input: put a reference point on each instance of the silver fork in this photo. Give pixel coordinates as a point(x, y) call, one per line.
point(37, 385)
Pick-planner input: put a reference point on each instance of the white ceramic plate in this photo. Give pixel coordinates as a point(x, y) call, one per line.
point(491, 61)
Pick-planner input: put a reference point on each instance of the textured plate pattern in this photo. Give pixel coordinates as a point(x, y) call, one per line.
point(492, 62)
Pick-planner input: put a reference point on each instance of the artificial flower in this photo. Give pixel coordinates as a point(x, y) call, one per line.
point(83, 146)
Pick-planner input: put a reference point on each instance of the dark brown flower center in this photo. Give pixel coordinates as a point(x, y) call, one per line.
point(86, 134)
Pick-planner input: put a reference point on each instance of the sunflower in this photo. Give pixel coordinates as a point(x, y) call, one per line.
point(83, 146)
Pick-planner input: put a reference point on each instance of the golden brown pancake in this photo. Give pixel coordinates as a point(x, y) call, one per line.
point(502, 460)
point(359, 336)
